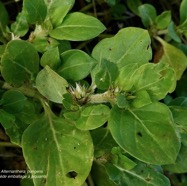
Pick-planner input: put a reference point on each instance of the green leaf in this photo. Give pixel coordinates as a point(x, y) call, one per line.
point(122, 101)
point(179, 101)
point(180, 117)
point(174, 57)
point(183, 7)
point(13, 101)
point(147, 133)
point(3, 17)
point(180, 165)
point(158, 79)
point(20, 62)
point(141, 175)
point(133, 6)
point(130, 45)
point(42, 44)
point(125, 77)
point(51, 85)
point(142, 98)
point(162, 21)
point(93, 116)
point(78, 27)
point(106, 75)
point(20, 27)
point(173, 33)
point(8, 121)
point(35, 10)
point(60, 145)
point(76, 65)
point(57, 10)
point(103, 141)
point(100, 176)
point(120, 160)
point(148, 14)
point(51, 58)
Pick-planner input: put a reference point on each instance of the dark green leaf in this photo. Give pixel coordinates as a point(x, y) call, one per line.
point(35, 10)
point(180, 165)
point(78, 27)
point(3, 17)
point(60, 145)
point(172, 32)
point(76, 65)
point(133, 5)
point(147, 133)
point(93, 116)
point(100, 176)
point(8, 121)
point(183, 15)
point(141, 175)
point(20, 62)
point(13, 101)
point(57, 10)
point(180, 101)
point(103, 141)
point(148, 14)
point(51, 85)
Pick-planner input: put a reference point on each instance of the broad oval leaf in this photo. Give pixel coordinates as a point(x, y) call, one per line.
point(20, 62)
point(147, 133)
point(93, 116)
point(130, 45)
point(51, 85)
point(67, 152)
point(78, 27)
point(13, 101)
point(35, 10)
point(57, 10)
point(174, 57)
point(76, 65)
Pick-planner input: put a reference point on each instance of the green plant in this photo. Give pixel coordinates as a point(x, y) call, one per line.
point(98, 116)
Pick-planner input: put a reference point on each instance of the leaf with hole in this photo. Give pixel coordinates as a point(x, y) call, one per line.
point(60, 145)
point(146, 130)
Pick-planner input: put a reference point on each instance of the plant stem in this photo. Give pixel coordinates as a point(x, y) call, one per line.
point(90, 180)
point(8, 144)
point(28, 91)
point(101, 98)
